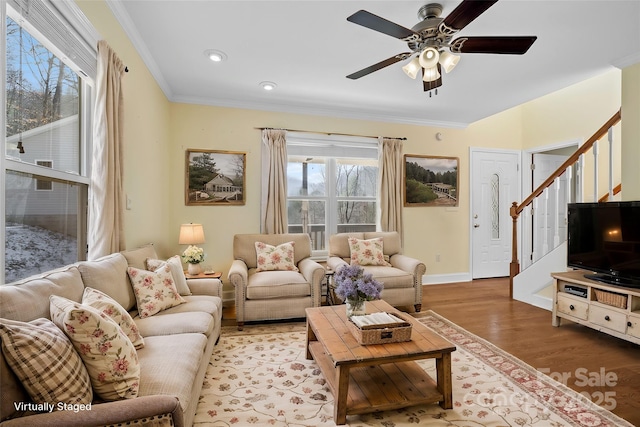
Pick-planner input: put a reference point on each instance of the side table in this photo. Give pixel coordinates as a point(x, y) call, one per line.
point(216, 275)
point(328, 278)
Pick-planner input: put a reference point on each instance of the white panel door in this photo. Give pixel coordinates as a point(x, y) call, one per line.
point(495, 185)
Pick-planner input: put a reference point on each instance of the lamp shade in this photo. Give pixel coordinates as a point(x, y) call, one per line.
point(412, 68)
point(431, 74)
point(429, 57)
point(191, 234)
point(448, 61)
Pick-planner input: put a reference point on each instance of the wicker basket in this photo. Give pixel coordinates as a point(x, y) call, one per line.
point(611, 298)
point(381, 334)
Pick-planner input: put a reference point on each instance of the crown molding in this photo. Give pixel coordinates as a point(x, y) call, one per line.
point(328, 111)
point(129, 28)
point(125, 21)
point(627, 61)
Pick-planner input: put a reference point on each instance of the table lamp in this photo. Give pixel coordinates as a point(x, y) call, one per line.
point(192, 234)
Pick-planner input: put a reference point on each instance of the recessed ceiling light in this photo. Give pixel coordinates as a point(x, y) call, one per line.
point(215, 55)
point(268, 85)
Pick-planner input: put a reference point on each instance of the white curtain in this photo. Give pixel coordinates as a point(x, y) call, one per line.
point(390, 184)
point(106, 228)
point(274, 182)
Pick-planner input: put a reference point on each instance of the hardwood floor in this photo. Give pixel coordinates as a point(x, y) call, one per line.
point(605, 368)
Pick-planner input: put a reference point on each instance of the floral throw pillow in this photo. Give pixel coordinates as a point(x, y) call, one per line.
point(272, 258)
point(107, 353)
point(45, 362)
point(107, 305)
point(367, 252)
point(154, 290)
point(176, 272)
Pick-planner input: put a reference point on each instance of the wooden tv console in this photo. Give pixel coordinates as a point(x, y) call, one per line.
point(610, 309)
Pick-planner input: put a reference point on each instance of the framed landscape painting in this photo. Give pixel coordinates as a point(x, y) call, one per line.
point(214, 178)
point(430, 180)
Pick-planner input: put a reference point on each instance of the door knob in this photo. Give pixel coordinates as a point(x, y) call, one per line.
point(476, 225)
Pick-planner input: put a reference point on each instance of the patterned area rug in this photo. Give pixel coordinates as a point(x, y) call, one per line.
point(260, 377)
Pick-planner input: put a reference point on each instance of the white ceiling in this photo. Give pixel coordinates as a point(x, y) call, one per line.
point(308, 47)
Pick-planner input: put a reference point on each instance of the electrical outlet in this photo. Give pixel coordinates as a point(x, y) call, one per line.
point(128, 206)
point(437, 257)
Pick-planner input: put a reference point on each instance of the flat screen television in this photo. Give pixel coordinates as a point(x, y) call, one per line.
point(604, 239)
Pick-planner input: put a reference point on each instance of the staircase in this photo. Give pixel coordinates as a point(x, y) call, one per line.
point(532, 285)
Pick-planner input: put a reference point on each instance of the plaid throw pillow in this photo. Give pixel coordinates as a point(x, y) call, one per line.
point(44, 360)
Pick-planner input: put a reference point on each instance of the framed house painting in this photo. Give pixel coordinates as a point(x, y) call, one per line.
point(214, 178)
point(430, 180)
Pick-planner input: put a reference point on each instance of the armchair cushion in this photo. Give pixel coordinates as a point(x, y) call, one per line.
point(391, 277)
point(277, 284)
point(275, 258)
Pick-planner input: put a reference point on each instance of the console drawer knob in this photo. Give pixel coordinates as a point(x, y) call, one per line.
point(571, 307)
point(607, 318)
point(629, 324)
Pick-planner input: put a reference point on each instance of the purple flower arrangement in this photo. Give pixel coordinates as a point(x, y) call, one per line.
point(356, 285)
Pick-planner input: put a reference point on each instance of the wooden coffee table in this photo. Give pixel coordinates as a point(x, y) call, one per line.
point(379, 377)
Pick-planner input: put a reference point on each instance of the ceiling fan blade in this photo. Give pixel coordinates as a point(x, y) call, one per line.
point(376, 23)
point(380, 65)
point(502, 45)
point(464, 14)
point(427, 86)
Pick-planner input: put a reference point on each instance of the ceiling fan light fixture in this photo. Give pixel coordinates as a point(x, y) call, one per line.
point(448, 61)
point(431, 74)
point(429, 57)
point(412, 68)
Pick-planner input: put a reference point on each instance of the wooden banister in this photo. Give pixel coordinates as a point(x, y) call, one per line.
point(616, 190)
point(516, 209)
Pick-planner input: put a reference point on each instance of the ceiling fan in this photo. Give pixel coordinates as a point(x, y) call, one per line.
point(431, 40)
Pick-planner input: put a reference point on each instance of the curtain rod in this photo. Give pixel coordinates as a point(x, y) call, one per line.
point(330, 133)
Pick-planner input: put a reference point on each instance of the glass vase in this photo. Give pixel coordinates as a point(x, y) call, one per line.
point(356, 307)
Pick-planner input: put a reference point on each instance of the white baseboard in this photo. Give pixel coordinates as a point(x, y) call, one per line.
point(438, 279)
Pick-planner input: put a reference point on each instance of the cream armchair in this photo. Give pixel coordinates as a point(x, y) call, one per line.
point(402, 278)
point(280, 294)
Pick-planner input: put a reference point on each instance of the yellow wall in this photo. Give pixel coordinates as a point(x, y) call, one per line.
point(146, 137)
point(574, 112)
point(205, 127)
point(157, 133)
point(631, 133)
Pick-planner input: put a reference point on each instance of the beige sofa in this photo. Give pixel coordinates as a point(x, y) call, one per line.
point(178, 343)
point(402, 278)
point(270, 295)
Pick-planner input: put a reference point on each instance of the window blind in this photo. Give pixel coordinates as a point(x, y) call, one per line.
point(339, 146)
point(69, 32)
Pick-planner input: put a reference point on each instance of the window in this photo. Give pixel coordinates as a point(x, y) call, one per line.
point(331, 185)
point(44, 184)
point(47, 120)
